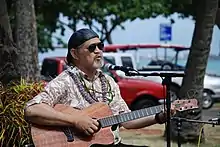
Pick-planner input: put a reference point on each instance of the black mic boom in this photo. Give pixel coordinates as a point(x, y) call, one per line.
point(217, 120)
point(115, 67)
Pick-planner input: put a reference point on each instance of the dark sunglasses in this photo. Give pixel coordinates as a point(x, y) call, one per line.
point(92, 47)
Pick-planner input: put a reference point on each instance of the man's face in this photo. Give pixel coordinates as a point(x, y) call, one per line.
point(89, 54)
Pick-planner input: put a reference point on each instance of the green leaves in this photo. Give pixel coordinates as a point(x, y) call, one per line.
point(102, 16)
point(14, 129)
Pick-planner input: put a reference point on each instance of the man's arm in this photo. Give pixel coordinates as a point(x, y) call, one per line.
point(43, 114)
point(40, 110)
point(143, 122)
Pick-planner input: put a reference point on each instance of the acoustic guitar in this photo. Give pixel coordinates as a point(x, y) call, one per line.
point(44, 136)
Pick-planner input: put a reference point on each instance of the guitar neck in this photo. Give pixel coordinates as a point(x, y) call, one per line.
point(124, 117)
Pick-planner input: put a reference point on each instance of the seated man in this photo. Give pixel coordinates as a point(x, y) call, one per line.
point(80, 86)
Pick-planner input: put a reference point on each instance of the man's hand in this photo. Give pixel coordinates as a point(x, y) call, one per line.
point(86, 125)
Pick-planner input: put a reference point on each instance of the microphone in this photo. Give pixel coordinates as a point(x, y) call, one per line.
point(217, 120)
point(115, 67)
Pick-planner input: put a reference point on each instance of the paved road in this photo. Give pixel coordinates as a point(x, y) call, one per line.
point(211, 113)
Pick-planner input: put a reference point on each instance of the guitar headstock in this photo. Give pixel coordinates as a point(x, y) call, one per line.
point(187, 104)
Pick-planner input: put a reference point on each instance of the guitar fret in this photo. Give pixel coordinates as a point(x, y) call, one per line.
point(126, 117)
point(138, 114)
point(134, 115)
point(123, 118)
point(118, 118)
point(104, 122)
point(112, 120)
point(158, 109)
point(115, 120)
point(151, 111)
point(142, 113)
point(109, 121)
point(129, 118)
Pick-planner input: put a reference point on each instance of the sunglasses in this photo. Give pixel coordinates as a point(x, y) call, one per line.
point(92, 47)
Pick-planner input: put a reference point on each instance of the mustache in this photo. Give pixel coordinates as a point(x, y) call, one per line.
point(99, 56)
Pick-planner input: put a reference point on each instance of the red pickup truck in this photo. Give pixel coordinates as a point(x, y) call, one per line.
point(137, 93)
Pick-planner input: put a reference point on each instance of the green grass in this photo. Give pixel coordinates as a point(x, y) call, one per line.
point(212, 138)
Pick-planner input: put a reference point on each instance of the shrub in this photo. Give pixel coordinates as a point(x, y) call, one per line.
point(14, 130)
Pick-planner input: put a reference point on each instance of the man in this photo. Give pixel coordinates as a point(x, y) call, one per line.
point(80, 86)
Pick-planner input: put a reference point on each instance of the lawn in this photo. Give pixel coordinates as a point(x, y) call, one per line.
point(153, 136)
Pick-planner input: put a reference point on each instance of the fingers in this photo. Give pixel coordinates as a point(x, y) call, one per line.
point(95, 122)
point(90, 131)
point(87, 133)
point(95, 125)
point(94, 128)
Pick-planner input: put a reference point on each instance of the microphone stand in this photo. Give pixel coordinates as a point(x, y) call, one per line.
point(166, 81)
point(179, 121)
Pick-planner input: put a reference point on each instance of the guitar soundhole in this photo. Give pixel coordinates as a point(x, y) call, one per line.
point(68, 132)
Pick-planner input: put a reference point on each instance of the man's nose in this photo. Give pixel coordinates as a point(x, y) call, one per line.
point(97, 50)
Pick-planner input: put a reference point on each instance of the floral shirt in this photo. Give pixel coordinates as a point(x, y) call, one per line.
point(63, 90)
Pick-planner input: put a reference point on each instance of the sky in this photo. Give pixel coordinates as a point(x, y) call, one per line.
point(147, 31)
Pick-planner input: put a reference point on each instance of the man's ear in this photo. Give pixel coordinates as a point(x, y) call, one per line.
point(74, 53)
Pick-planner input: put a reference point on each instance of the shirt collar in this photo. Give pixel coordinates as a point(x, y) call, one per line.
point(78, 71)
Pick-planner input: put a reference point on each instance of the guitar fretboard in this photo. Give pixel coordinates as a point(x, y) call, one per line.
point(117, 119)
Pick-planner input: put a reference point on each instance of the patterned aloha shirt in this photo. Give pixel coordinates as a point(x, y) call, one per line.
point(63, 90)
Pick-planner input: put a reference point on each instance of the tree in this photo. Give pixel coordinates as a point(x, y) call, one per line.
point(192, 86)
point(18, 41)
point(26, 39)
point(102, 16)
point(8, 50)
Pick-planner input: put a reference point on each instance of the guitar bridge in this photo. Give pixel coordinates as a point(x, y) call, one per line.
point(67, 131)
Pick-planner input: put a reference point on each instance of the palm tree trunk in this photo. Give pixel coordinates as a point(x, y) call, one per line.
point(192, 86)
point(26, 37)
point(8, 50)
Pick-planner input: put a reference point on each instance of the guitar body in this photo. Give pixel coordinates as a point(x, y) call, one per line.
point(55, 137)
